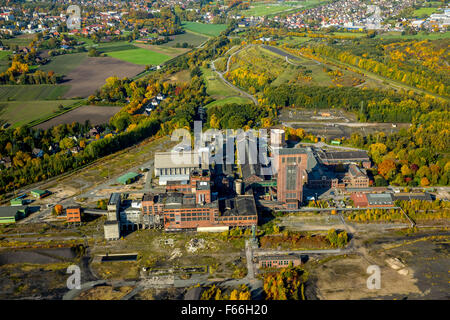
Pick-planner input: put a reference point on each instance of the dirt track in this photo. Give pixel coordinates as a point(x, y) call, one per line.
point(96, 115)
point(91, 74)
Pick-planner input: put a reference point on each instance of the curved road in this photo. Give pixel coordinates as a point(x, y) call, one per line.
point(246, 94)
point(287, 55)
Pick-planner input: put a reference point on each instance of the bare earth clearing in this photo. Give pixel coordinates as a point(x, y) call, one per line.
point(91, 74)
point(96, 115)
point(420, 273)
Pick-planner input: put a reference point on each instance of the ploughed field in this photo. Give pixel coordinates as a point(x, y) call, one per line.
point(95, 114)
point(91, 74)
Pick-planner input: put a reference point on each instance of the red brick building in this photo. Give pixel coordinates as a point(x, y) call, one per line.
point(362, 200)
point(278, 261)
point(190, 206)
point(353, 178)
point(73, 214)
point(359, 200)
point(292, 164)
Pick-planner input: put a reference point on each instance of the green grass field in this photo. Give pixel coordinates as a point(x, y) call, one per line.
point(22, 112)
point(229, 100)
point(259, 9)
point(188, 37)
point(215, 87)
point(350, 34)
point(21, 41)
point(114, 46)
point(170, 51)
point(266, 8)
point(32, 92)
point(294, 40)
point(140, 56)
point(4, 54)
point(65, 63)
point(418, 36)
point(424, 12)
point(87, 41)
point(212, 30)
point(4, 60)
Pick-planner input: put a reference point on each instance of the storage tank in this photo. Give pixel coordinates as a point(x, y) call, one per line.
point(277, 138)
point(239, 186)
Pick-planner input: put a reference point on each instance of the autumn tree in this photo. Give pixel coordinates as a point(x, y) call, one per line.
point(387, 168)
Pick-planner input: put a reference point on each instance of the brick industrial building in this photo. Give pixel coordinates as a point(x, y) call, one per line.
point(292, 164)
point(73, 214)
point(280, 261)
point(184, 199)
point(184, 206)
point(331, 158)
point(191, 206)
point(174, 167)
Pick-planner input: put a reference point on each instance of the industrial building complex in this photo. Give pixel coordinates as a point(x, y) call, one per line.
point(194, 190)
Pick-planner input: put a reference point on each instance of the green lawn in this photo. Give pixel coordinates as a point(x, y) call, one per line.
point(260, 9)
point(114, 46)
point(265, 8)
point(21, 41)
point(424, 12)
point(294, 40)
point(212, 30)
point(22, 112)
point(229, 100)
point(215, 87)
point(4, 60)
point(4, 54)
point(188, 37)
point(87, 41)
point(349, 34)
point(418, 36)
point(170, 51)
point(64, 64)
point(32, 92)
point(140, 56)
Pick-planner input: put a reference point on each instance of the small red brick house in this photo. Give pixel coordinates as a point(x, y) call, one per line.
point(359, 200)
point(279, 261)
point(73, 214)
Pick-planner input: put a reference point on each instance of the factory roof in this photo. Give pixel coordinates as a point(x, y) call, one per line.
point(177, 159)
point(114, 199)
point(379, 199)
point(344, 155)
point(410, 196)
point(11, 211)
point(242, 205)
point(127, 177)
point(285, 151)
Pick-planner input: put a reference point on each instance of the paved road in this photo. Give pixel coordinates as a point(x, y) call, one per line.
point(287, 55)
point(220, 74)
point(93, 193)
point(249, 257)
point(285, 252)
